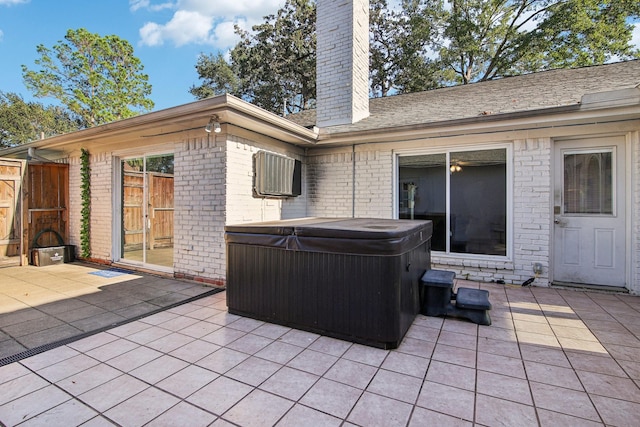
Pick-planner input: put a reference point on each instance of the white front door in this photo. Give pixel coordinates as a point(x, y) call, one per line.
point(589, 212)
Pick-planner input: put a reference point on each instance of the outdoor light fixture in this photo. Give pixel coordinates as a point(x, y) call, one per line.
point(213, 125)
point(455, 168)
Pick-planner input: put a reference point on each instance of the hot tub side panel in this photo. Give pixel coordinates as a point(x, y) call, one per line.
point(367, 299)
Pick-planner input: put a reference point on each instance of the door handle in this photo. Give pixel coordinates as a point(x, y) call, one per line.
point(556, 221)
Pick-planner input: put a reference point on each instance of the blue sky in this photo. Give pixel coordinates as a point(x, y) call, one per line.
point(167, 35)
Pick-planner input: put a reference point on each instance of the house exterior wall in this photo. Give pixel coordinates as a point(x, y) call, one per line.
point(242, 204)
point(75, 203)
point(359, 181)
point(199, 208)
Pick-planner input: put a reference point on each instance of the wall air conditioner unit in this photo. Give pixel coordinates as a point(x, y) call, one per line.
point(276, 175)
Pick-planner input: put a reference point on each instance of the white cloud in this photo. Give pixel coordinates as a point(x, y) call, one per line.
point(1, 35)
point(203, 21)
point(12, 2)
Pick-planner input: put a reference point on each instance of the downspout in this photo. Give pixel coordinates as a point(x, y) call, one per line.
point(353, 181)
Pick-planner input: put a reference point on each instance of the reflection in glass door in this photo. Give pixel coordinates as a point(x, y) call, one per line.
point(147, 210)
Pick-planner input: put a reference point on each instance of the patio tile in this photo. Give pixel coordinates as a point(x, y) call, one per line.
point(271, 330)
point(199, 329)
point(491, 411)
point(223, 319)
point(88, 379)
point(542, 354)
point(552, 375)
point(20, 315)
point(203, 313)
point(32, 404)
point(621, 352)
point(500, 347)
point(250, 343)
point(424, 333)
point(69, 413)
point(538, 339)
point(406, 364)
point(158, 369)
point(219, 395)
point(132, 359)
point(374, 410)
point(183, 414)
point(258, 409)
point(453, 401)
point(112, 349)
point(569, 344)
point(253, 371)
point(501, 365)
point(194, 351)
point(289, 383)
point(83, 312)
point(313, 362)
point(453, 375)
point(351, 373)
point(159, 318)
point(616, 412)
point(563, 400)
point(368, 355)
point(610, 386)
point(396, 386)
point(221, 335)
point(187, 381)
point(147, 335)
point(632, 369)
point(332, 346)
point(331, 397)
point(245, 324)
point(533, 327)
point(113, 392)
point(504, 387)
point(127, 329)
point(456, 339)
point(142, 408)
point(460, 326)
point(455, 355)
point(49, 358)
point(299, 338)
point(67, 368)
point(20, 386)
point(279, 352)
point(554, 419)
point(178, 323)
point(222, 360)
point(423, 417)
point(9, 347)
point(603, 364)
point(170, 342)
point(301, 415)
point(48, 336)
point(91, 342)
point(416, 347)
point(12, 371)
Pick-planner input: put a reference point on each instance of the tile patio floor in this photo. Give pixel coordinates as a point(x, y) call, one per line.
point(43, 305)
point(551, 358)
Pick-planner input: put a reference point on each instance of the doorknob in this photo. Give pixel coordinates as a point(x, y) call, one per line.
point(556, 221)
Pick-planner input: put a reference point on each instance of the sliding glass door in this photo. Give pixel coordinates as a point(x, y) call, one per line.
point(147, 210)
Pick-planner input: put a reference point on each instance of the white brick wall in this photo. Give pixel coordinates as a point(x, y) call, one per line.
point(330, 192)
point(200, 193)
point(101, 205)
point(75, 203)
point(242, 206)
point(342, 61)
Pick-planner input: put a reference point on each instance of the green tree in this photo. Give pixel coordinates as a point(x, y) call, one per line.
point(97, 78)
point(274, 66)
point(22, 122)
point(486, 39)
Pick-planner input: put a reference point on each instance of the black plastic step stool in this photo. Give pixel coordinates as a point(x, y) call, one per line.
point(437, 296)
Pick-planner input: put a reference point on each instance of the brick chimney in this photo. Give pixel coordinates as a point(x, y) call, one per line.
point(342, 64)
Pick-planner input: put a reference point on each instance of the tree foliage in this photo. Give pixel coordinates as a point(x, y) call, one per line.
point(22, 122)
point(273, 66)
point(422, 44)
point(97, 78)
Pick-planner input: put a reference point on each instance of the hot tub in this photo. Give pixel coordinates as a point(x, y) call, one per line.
point(353, 279)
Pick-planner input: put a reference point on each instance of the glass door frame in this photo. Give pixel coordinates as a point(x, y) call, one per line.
point(117, 194)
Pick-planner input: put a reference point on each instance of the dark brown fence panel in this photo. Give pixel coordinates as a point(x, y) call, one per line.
point(48, 200)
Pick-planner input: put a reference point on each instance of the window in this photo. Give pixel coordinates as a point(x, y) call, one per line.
point(464, 193)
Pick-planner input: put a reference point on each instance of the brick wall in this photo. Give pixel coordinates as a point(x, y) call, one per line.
point(342, 61)
point(199, 200)
point(101, 205)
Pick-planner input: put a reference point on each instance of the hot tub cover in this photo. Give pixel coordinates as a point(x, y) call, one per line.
point(334, 235)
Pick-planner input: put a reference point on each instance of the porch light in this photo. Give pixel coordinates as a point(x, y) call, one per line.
point(455, 168)
point(213, 125)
